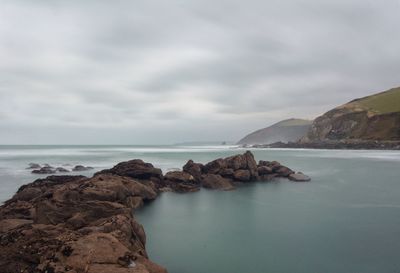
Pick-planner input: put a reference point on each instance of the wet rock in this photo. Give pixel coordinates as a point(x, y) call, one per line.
point(215, 181)
point(75, 224)
point(44, 170)
point(80, 168)
point(34, 166)
point(215, 166)
point(195, 169)
point(262, 170)
point(227, 173)
point(242, 175)
point(299, 177)
point(62, 170)
point(243, 165)
point(284, 171)
point(180, 181)
point(267, 177)
point(179, 177)
point(139, 170)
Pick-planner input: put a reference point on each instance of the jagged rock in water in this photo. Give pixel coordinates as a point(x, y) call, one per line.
point(45, 170)
point(215, 181)
point(299, 177)
point(80, 168)
point(34, 166)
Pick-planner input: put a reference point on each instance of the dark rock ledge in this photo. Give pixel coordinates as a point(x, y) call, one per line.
point(77, 224)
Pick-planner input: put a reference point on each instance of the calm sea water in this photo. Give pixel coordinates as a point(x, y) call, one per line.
point(347, 219)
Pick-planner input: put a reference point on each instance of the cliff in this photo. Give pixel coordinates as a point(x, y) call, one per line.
point(375, 117)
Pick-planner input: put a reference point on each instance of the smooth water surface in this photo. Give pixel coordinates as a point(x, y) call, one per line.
point(347, 219)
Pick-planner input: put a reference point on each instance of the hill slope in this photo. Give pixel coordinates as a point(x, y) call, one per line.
point(375, 117)
point(285, 131)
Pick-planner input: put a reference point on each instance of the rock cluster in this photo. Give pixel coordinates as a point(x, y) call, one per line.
point(47, 169)
point(77, 224)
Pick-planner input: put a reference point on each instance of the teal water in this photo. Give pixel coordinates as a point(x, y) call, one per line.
point(347, 219)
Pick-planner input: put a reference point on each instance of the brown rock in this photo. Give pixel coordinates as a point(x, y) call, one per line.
point(299, 177)
point(44, 170)
point(181, 182)
point(135, 169)
point(80, 168)
point(215, 181)
point(179, 177)
point(268, 177)
point(236, 162)
point(215, 166)
point(228, 173)
point(251, 165)
point(195, 169)
point(242, 175)
point(284, 171)
point(262, 170)
point(9, 224)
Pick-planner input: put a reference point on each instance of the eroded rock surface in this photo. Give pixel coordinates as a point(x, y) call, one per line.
point(75, 224)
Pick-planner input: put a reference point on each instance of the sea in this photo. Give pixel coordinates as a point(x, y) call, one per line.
point(346, 219)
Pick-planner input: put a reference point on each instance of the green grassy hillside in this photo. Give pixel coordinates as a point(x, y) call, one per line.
point(381, 103)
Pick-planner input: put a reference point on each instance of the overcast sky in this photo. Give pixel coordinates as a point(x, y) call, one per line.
point(159, 72)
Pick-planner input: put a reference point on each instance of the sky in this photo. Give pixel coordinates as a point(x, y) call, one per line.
point(162, 72)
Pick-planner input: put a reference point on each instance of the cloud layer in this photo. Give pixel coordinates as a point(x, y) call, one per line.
point(137, 72)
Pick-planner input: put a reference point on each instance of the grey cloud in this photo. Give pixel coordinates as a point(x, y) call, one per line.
point(132, 71)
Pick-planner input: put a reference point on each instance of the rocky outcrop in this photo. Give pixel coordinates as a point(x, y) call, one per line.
point(47, 169)
point(75, 224)
point(78, 224)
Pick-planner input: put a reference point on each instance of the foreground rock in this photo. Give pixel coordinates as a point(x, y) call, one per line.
point(77, 224)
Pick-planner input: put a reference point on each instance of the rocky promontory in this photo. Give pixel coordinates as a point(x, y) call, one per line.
point(78, 224)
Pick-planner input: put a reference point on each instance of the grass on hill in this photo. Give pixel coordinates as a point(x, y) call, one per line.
point(381, 103)
point(294, 122)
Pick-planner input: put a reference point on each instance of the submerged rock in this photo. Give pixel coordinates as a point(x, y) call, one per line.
point(62, 170)
point(45, 170)
point(299, 177)
point(34, 166)
point(80, 168)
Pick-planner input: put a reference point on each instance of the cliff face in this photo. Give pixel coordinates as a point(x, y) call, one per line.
point(375, 117)
point(284, 131)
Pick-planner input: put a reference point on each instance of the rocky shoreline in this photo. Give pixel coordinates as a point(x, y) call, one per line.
point(78, 224)
point(335, 145)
